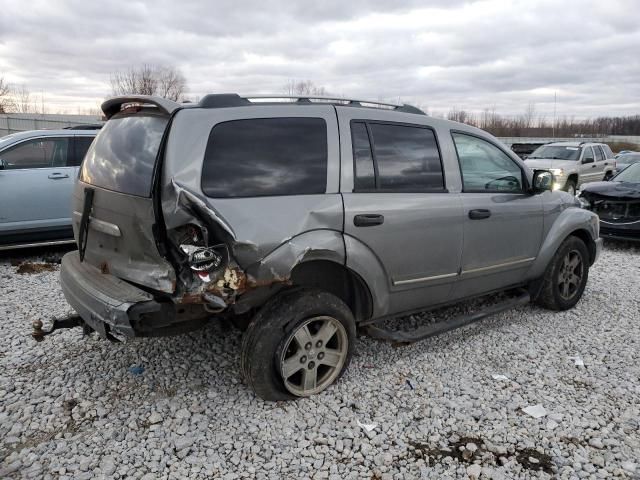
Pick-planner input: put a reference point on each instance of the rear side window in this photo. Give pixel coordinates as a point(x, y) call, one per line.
point(123, 156)
point(365, 178)
point(266, 156)
point(405, 158)
point(599, 154)
point(607, 151)
point(38, 153)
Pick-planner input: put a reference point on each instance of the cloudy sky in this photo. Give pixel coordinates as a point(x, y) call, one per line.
point(438, 54)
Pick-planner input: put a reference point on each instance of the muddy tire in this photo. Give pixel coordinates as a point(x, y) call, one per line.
point(570, 187)
point(298, 344)
point(566, 276)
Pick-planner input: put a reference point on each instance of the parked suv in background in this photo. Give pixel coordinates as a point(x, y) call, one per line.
point(37, 173)
point(310, 217)
point(574, 163)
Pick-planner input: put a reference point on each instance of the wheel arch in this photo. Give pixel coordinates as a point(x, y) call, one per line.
point(585, 236)
point(572, 221)
point(575, 177)
point(338, 280)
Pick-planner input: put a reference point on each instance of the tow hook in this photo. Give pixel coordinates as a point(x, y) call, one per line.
point(70, 321)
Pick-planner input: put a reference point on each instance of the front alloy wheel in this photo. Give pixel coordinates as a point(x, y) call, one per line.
point(566, 276)
point(570, 274)
point(313, 356)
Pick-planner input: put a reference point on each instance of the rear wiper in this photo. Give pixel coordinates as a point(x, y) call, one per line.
point(83, 231)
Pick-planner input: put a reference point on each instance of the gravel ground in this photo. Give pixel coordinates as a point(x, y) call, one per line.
point(176, 408)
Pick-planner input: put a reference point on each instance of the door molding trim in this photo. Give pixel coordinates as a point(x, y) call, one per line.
point(410, 281)
point(423, 279)
point(499, 265)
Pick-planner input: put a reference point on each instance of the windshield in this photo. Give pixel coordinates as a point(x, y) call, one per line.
point(630, 174)
point(123, 156)
point(556, 152)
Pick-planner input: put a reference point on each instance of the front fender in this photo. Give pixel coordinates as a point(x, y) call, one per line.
point(362, 260)
point(568, 221)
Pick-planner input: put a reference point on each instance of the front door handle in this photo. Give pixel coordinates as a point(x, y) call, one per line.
point(479, 214)
point(368, 220)
point(58, 175)
point(593, 166)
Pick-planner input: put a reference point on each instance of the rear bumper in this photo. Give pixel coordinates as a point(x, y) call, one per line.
point(106, 303)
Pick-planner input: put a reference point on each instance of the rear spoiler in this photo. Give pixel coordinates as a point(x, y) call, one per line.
point(113, 105)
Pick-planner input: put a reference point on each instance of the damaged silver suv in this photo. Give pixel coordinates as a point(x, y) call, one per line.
point(309, 217)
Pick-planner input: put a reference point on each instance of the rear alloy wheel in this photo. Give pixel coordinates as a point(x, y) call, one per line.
point(607, 176)
point(566, 276)
point(299, 343)
point(313, 356)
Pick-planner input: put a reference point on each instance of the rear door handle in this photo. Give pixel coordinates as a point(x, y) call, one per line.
point(368, 220)
point(479, 214)
point(58, 175)
point(593, 166)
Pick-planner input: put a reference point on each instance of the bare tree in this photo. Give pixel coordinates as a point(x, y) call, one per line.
point(171, 83)
point(6, 99)
point(459, 115)
point(167, 82)
point(304, 87)
point(22, 100)
point(529, 115)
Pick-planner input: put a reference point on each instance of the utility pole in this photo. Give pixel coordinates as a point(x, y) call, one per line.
point(555, 101)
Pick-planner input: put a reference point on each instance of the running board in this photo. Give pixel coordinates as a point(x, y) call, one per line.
point(399, 336)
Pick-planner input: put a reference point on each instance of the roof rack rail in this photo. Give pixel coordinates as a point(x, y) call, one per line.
point(222, 100)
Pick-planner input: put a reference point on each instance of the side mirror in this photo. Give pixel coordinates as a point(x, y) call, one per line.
point(587, 160)
point(3, 164)
point(542, 181)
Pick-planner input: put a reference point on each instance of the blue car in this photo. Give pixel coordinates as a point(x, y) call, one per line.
point(37, 173)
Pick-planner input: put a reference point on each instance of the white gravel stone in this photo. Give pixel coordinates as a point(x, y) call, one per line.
point(474, 471)
point(70, 408)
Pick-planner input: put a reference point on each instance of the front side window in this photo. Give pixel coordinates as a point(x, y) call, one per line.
point(266, 156)
point(588, 155)
point(486, 168)
point(37, 153)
